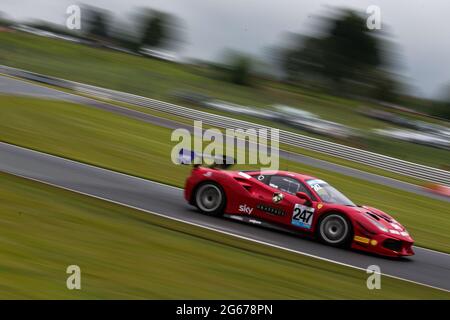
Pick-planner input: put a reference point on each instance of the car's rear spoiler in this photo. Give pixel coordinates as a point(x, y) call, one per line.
point(187, 157)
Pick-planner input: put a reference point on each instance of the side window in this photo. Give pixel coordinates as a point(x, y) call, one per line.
point(305, 190)
point(289, 185)
point(286, 184)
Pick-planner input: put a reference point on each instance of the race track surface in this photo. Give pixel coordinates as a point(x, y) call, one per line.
point(426, 267)
point(17, 87)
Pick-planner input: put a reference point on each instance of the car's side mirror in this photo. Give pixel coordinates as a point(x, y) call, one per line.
point(304, 196)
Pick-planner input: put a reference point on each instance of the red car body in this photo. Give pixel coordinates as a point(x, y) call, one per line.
point(250, 196)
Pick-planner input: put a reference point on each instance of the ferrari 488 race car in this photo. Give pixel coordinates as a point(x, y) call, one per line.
point(299, 203)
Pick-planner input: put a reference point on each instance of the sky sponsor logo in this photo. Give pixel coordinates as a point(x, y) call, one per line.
point(245, 208)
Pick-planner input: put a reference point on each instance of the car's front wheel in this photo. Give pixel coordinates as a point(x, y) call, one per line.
point(335, 230)
point(210, 199)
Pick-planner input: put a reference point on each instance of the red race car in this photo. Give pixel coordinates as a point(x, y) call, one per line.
point(299, 203)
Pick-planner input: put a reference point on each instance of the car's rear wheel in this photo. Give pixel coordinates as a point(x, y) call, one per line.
point(335, 230)
point(210, 199)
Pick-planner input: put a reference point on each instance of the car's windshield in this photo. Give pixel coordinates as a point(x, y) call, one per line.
point(329, 194)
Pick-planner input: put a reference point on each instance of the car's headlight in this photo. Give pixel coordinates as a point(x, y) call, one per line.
point(399, 228)
point(404, 233)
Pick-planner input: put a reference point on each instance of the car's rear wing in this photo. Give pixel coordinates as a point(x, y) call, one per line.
point(190, 157)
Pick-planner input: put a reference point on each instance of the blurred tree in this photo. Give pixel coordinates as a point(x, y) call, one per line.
point(349, 47)
point(99, 27)
point(385, 87)
point(240, 70)
point(95, 23)
point(347, 50)
point(441, 109)
point(305, 58)
point(236, 67)
point(158, 29)
point(154, 33)
point(4, 21)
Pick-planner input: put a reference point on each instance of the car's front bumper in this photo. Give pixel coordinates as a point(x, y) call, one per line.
point(384, 244)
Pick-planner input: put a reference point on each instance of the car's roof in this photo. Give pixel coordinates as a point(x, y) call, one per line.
point(296, 175)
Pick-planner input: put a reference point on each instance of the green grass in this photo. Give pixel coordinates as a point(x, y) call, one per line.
point(134, 147)
point(159, 80)
point(128, 254)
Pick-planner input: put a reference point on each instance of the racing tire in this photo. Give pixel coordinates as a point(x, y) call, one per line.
point(335, 229)
point(210, 199)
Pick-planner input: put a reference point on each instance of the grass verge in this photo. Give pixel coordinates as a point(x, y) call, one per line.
point(128, 254)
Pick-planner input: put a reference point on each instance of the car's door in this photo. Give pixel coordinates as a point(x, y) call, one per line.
point(277, 202)
point(270, 202)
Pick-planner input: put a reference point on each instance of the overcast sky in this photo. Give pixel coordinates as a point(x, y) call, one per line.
point(420, 28)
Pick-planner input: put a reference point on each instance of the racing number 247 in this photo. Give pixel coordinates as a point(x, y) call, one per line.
point(301, 214)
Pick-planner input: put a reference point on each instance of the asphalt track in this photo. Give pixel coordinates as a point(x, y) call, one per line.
point(17, 87)
point(426, 267)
